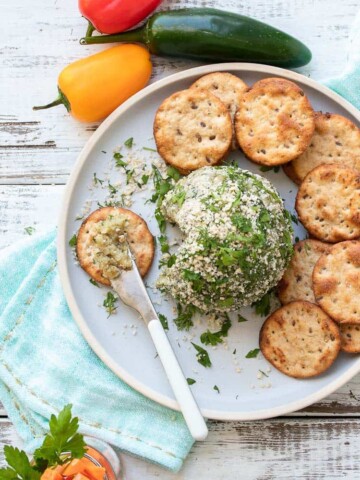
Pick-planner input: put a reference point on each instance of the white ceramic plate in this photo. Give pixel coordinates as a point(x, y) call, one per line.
point(242, 395)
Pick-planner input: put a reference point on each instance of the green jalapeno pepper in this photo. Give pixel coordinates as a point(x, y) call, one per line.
point(213, 35)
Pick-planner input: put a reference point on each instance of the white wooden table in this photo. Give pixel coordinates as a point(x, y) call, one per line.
point(37, 152)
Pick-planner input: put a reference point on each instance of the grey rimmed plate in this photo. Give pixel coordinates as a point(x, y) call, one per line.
point(122, 340)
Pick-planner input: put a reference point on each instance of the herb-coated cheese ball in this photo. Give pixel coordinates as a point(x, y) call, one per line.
point(238, 239)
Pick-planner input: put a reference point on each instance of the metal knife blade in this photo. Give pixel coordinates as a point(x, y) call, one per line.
point(130, 287)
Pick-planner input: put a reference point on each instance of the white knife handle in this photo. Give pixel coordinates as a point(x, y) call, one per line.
point(178, 382)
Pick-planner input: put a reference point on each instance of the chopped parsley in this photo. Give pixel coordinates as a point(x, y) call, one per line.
point(119, 162)
point(174, 173)
point(183, 321)
point(129, 142)
point(234, 352)
point(275, 169)
point(109, 303)
point(164, 245)
point(164, 321)
point(112, 189)
point(241, 319)
point(93, 282)
point(263, 306)
point(190, 381)
point(73, 241)
point(253, 353)
point(97, 180)
point(145, 179)
point(265, 374)
point(292, 217)
point(29, 230)
point(214, 338)
point(202, 356)
point(216, 388)
point(150, 149)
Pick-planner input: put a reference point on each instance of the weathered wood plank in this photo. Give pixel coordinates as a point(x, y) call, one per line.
point(274, 449)
point(42, 146)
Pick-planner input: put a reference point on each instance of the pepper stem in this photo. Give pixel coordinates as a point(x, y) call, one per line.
point(90, 29)
point(61, 100)
point(133, 36)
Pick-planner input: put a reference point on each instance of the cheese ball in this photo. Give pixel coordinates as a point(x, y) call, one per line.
point(238, 239)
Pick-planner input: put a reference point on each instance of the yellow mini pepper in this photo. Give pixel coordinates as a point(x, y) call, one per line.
point(95, 86)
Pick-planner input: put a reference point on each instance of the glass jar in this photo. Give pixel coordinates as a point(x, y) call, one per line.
point(102, 455)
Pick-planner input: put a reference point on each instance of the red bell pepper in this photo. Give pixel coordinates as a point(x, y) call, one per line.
point(113, 16)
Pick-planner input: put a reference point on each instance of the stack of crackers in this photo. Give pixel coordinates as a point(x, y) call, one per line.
point(273, 123)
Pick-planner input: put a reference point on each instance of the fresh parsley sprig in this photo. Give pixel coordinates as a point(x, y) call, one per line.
point(62, 439)
point(61, 445)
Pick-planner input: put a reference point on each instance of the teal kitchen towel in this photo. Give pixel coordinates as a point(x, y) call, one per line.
point(348, 83)
point(45, 363)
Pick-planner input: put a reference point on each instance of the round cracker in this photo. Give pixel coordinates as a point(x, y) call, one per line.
point(300, 340)
point(350, 338)
point(226, 87)
point(336, 282)
point(275, 122)
point(336, 140)
point(138, 235)
point(328, 203)
point(296, 283)
point(192, 129)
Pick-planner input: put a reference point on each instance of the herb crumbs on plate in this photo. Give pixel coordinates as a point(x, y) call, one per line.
point(164, 321)
point(190, 381)
point(202, 356)
point(253, 353)
point(109, 303)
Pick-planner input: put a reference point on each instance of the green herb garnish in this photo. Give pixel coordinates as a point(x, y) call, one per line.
point(241, 319)
point(62, 438)
point(129, 142)
point(145, 179)
point(265, 374)
point(190, 381)
point(93, 282)
point(109, 303)
point(19, 467)
point(202, 356)
point(29, 230)
point(73, 241)
point(112, 189)
point(214, 338)
point(164, 245)
point(184, 319)
point(263, 306)
point(97, 180)
point(216, 388)
point(164, 321)
point(150, 149)
point(253, 353)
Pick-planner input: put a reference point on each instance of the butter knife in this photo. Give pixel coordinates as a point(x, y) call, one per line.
point(131, 289)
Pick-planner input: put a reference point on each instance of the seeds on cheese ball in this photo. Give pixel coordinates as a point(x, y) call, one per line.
point(328, 203)
point(238, 239)
point(192, 129)
point(275, 122)
point(101, 243)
